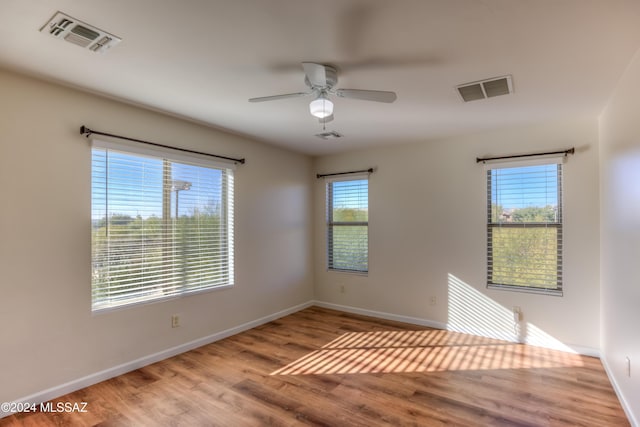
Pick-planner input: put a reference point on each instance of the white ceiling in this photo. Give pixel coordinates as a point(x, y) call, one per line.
point(202, 60)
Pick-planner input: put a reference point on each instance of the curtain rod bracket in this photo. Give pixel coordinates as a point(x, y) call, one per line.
point(88, 132)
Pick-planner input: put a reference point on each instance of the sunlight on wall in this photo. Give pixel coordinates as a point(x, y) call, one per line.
point(430, 350)
point(472, 312)
point(536, 336)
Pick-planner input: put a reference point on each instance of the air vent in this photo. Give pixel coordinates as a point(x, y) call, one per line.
point(74, 31)
point(329, 135)
point(486, 88)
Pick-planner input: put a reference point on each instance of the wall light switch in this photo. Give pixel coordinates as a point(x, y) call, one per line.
point(628, 366)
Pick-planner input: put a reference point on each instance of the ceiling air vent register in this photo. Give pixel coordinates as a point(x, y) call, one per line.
point(488, 88)
point(74, 31)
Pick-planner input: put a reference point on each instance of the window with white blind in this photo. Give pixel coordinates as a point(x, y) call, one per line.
point(162, 224)
point(524, 228)
point(348, 224)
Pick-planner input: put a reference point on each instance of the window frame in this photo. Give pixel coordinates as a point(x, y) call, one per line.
point(558, 224)
point(330, 223)
point(168, 157)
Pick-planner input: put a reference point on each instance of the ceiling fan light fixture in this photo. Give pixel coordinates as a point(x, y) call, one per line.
point(321, 107)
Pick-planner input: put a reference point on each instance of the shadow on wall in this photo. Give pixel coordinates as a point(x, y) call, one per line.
point(472, 312)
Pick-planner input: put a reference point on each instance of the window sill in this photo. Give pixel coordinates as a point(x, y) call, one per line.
point(350, 272)
point(528, 290)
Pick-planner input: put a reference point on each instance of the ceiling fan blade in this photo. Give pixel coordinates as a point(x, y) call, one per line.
point(283, 96)
point(367, 95)
point(316, 74)
point(326, 119)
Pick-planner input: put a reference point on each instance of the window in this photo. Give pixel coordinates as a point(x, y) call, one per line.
point(162, 225)
point(348, 224)
point(524, 229)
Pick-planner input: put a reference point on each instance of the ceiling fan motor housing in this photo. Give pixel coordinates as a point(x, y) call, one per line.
point(331, 75)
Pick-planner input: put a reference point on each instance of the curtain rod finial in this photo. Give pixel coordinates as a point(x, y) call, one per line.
point(85, 130)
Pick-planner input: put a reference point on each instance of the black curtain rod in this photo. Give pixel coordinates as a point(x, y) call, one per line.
point(370, 170)
point(88, 132)
point(565, 152)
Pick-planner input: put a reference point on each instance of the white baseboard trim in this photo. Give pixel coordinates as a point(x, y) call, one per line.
point(382, 315)
point(627, 409)
point(71, 386)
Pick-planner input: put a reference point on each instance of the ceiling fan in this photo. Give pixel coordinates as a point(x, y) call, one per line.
point(321, 80)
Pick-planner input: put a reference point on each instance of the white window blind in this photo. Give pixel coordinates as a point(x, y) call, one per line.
point(161, 227)
point(524, 228)
point(348, 224)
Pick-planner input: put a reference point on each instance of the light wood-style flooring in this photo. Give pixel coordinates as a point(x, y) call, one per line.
point(323, 367)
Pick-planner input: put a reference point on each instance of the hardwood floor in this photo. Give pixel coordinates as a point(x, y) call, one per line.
point(323, 367)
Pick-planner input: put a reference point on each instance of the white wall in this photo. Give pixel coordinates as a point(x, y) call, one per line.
point(620, 234)
point(427, 235)
point(48, 334)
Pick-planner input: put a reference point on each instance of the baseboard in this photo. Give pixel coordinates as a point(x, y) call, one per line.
point(382, 315)
point(616, 388)
point(97, 377)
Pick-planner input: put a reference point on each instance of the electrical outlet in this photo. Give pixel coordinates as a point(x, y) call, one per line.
point(432, 300)
point(175, 321)
point(342, 289)
point(517, 314)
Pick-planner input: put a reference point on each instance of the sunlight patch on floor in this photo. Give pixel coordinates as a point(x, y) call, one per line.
point(422, 351)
